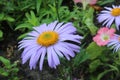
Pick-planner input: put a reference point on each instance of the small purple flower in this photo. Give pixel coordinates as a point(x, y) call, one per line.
point(51, 41)
point(114, 43)
point(110, 15)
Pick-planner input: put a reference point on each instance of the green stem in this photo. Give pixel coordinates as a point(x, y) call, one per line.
point(56, 5)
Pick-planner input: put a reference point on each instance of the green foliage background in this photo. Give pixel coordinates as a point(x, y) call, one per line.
point(92, 63)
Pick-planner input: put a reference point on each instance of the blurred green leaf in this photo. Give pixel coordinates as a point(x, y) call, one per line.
point(114, 67)
point(80, 57)
point(1, 16)
point(15, 70)
point(93, 50)
point(5, 61)
point(3, 72)
point(24, 25)
point(1, 34)
point(88, 20)
point(10, 19)
point(103, 73)
point(38, 4)
point(118, 52)
point(32, 19)
point(22, 36)
point(94, 64)
point(100, 2)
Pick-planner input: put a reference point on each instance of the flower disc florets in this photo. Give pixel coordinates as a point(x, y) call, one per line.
point(115, 12)
point(48, 38)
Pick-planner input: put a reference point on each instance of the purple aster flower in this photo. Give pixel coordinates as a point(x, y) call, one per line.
point(110, 15)
point(51, 41)
point(114, 43)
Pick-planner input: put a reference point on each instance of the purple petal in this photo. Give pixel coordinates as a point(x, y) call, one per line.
point(41, 28)
point(35, 57)
point(29, 54)
point(51, 26)
point(42, 57)
point(68, 30)
point(49, 55)
point(55, 56)
point(58, 52)
point(64, 26)
point(117, 22)
point(75, 38)
point(33, 33)
point(58, 26)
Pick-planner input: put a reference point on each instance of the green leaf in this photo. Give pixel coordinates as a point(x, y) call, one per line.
point(93, 50)
point(10, 19)
point(93, 65)
point(88, 20)
point(80, 57)
point(22, 36)
point(15, 70)
point(103, 73)
point(1, 16)
point(24, 25)
point(114, 68)
point(32, 19)
point(1, 34)
point(5, 61)
point(3, 72)
point(100, 2)
point(118, 54)
point(38, 4)
point(93, 29)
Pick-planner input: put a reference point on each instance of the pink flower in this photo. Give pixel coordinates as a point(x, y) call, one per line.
point(103, 36)
point(91, 2)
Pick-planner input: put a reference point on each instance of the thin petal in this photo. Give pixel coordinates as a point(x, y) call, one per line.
point(58, 26)
point(55, 57)
point(74, 38)
point(34, 59)
point(49, 56)
point(64, 26)
point(42, 57)
point(117, 22)
point(51, 26)
point(29, 54)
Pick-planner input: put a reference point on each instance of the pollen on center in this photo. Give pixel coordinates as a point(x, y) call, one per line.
point(115, 12)
point(47, 38)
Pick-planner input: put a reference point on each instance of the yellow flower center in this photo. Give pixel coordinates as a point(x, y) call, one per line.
point(47, 38)
point(115, 12)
